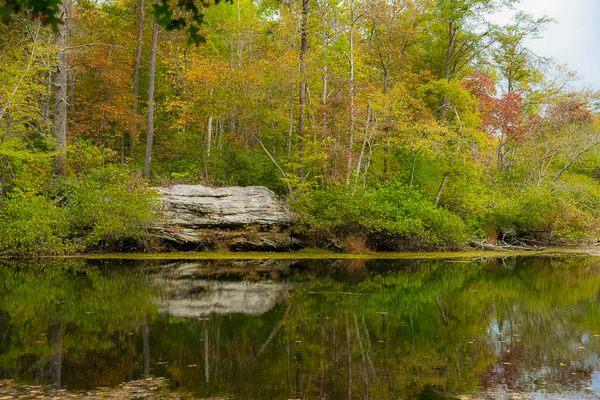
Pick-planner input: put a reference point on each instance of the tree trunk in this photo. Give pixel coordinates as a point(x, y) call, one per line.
point(452, 33)
point(151, 105)
point(291, 127)
point(366, 139)
point(240, 49)
point(303, 73)
point(60, 87)
point(325, 78)
point(501, 152)
point(441, 190)
point(352, 95)
point(136, 71)
point(209, 130)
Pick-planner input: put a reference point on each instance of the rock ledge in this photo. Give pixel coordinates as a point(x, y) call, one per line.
point(235, 218)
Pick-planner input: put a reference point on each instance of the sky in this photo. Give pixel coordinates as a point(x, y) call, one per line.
point(572, 40)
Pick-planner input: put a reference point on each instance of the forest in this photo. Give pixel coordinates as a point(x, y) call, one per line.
point(383, 124)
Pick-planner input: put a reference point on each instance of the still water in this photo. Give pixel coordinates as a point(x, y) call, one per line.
point(283, 329)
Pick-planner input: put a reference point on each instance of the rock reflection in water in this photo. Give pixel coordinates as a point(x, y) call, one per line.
point(187, 291)
point(198, 297)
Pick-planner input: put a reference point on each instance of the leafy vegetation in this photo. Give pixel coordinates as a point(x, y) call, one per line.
point(109, 207)
point(390, 216)
point(99, 205)
point(31, 224)
point(387, 124)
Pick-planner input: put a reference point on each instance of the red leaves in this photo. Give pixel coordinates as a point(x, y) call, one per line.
point(501, 116)
point(507, 115)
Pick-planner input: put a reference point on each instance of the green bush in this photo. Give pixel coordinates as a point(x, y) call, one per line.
point(543, 214)
point(31, 225)
point(109, 206)
point(391, 216)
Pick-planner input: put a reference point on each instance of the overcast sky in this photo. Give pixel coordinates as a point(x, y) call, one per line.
point(574, 39)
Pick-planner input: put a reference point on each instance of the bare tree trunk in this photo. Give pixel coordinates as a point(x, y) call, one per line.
point(352, 96)
point(220, 137)
point(441, 190)
point(291, 127)
point(138, 67)
point(324, 117)
point(138, 57)
point(239, 50)
point(209, 130)
point(151, 105)
point(303, 73)
point(60, 87)
point(452, 33)
point(366, 139)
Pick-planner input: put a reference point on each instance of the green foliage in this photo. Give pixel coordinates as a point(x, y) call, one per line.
point(542, 214)
point(392, 211)
point(98, 205)
point(452, 101)
point(183, 15)
point(31, 225)
point(46, 10)
point(108, 206)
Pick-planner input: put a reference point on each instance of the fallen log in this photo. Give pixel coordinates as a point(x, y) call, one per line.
point(484, 245)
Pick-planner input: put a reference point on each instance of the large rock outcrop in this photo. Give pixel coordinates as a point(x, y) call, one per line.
point(235, 218)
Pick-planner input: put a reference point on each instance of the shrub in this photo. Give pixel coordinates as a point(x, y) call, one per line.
point(392, 216)
point(109, 207)
point(542, 214)
point(31, 225)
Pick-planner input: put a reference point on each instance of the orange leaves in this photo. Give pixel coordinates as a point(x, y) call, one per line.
point(207, 71)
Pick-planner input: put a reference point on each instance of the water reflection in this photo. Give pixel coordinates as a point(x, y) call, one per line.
point(310, 329)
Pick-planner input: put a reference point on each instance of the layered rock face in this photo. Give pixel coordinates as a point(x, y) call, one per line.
point(235, 218)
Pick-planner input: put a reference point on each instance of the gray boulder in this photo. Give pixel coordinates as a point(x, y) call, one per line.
point(235, 218)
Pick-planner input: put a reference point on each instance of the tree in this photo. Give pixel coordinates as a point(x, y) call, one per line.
point(517, 65)
point(460, 33)
point(102, 58)
point(60, 85)
point(151, 102)
point(303, 72)
point(138, 63)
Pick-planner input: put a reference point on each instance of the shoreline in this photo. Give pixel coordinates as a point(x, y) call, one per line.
point(316, 254)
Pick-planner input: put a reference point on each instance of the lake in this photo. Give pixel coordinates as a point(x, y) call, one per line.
point(498, 328)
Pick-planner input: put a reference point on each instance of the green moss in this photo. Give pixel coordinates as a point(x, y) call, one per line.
point(315, 254)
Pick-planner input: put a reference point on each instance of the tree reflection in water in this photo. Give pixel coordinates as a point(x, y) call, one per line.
point(311, 329)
